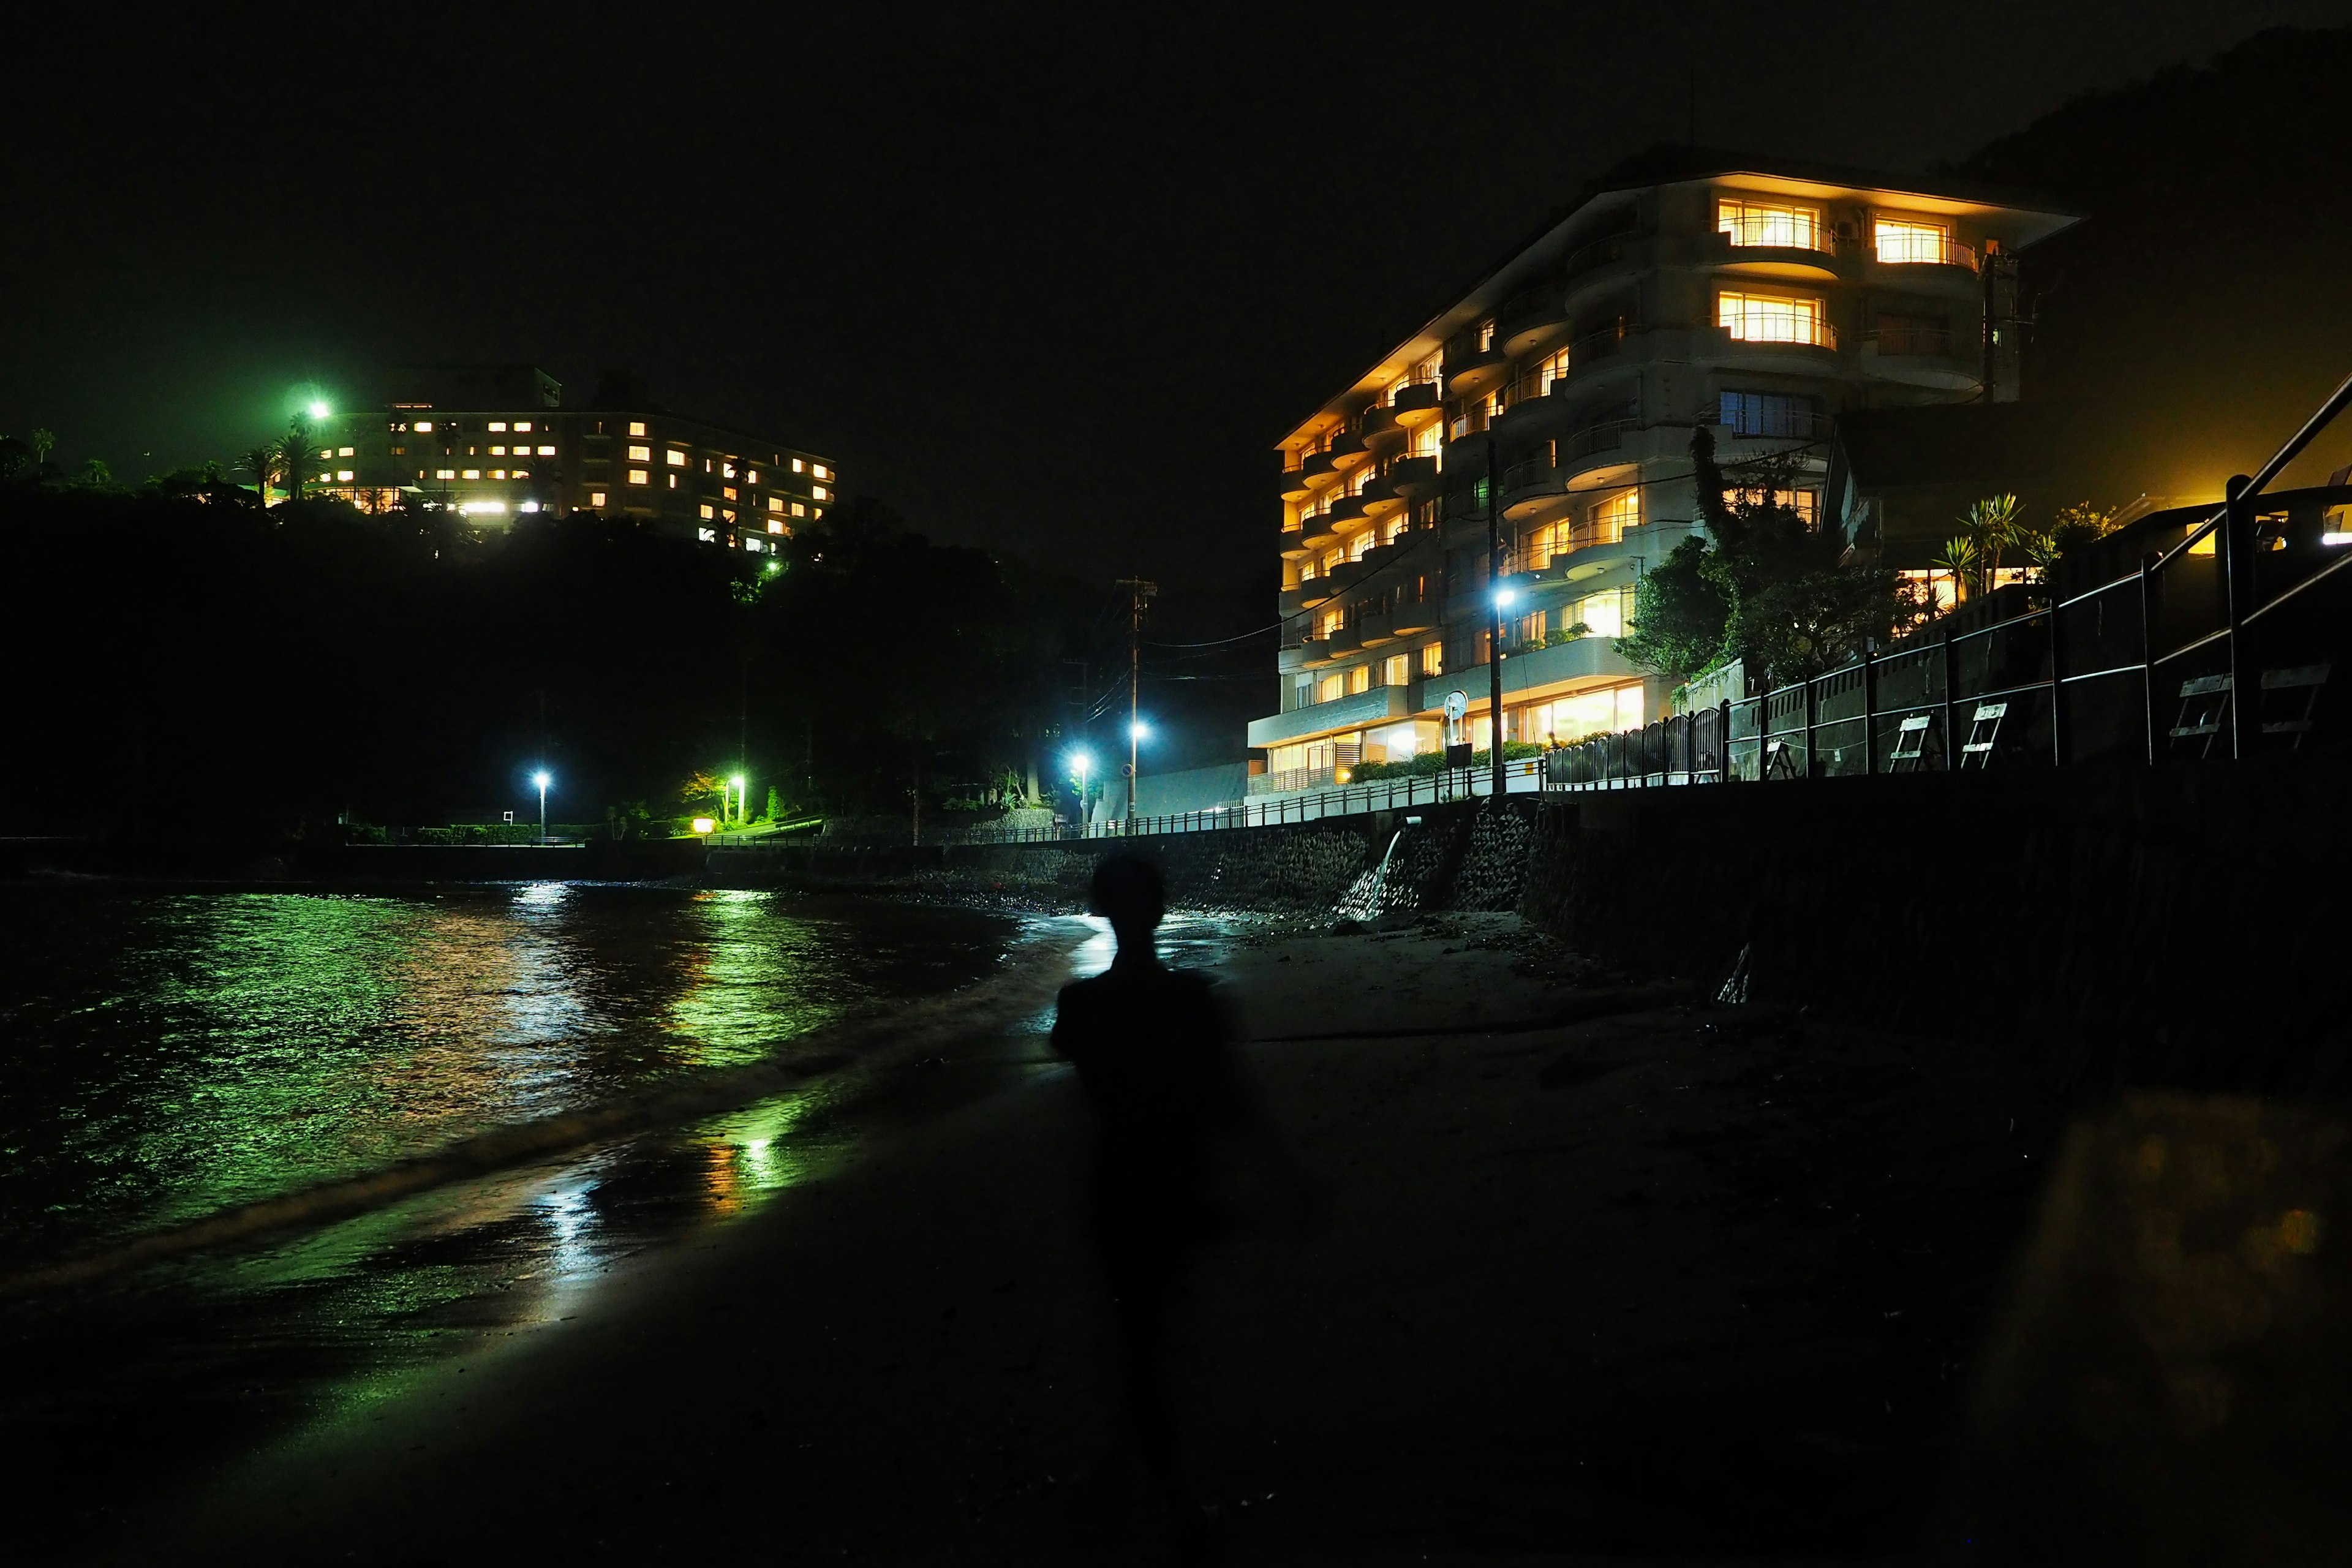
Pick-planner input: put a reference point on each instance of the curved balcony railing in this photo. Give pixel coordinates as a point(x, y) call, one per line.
point(1923, 250)
point(1914, 342)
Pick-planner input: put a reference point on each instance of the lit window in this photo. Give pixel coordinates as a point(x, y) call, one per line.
point(498, 473)
point(497, 425)
point(820, 493)
point(820, 511)
point(522, 427)
point(673, 481)
point(726, 470)
point(1909, 240)
point(677, 458)
point(774, 526)
point(752, 478)
point(709, 511)
point(641, 453)
point(547, 451)
point(445, 473)
point(1935, 588)
point(596, 498)
point(1433, 658)
point(798, 509)
point(425, 424)
point(637, 427)
point(1331, 690)
point(1603, 615)
point(1773, 319)
point(822, 471)
point(471, 474)
point(729, 491)
point(1775, 224)
point(796, 467)
point(776, 503)
point(638, 477)
point(755, 544)
point(1613, 516)
point(498, 451)
point(344, 475)
point(346, 452)
point(1395, 670)
point(1485, 336)
point(1360, 677)
point(519, 473)
point(708, 535)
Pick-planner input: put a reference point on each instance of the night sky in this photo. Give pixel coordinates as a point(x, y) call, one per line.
point(1046, 282)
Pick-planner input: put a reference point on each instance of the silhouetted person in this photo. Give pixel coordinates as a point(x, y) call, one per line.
point(1155, 1058)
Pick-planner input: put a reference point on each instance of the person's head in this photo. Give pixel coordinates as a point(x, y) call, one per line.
point(1127, 892)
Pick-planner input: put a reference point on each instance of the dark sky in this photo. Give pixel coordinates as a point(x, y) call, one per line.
point(1045, 278)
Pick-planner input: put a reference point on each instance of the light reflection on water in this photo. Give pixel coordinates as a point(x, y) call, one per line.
point(175, 1054)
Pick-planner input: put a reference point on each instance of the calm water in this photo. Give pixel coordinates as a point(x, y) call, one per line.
point(170, 1055)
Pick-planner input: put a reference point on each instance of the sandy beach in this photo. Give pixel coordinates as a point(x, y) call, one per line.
point(1608, 1273)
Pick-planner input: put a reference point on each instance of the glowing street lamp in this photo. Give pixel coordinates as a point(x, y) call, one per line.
point(742, 804)
point(319, 408)
point(1504, 597)
point(541, 780)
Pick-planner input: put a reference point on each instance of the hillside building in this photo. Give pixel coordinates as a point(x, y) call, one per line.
point(1756, 299)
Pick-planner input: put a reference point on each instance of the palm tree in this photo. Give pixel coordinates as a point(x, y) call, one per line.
point(262, 463)
point(295, 453)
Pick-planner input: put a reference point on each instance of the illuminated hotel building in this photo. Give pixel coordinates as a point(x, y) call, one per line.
point(494, 442)
point(1759, 299)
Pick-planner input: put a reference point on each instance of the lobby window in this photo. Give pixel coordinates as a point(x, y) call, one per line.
point(1396, 669)
point(1773, 319)
point(638, 477)
point(1433, 658)
point(596, 498)
point(637, 427)
point(1360, 679)
point(641, 453)
point(1776, 224)
point(1902, 240)
point(676, 458)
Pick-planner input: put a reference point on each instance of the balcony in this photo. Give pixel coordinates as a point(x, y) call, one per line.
point(1344, 640)
point(1908, 250)
point(1472, 374)
point(1295, 485)
point(1810, 254)
point(1379, 427)
point(1381, 499)
point(1306, 597)
point(1922, 356)
point(1804, 345)
point(1317, 471)
point(1408, 617)
point(1533, 489)
point(1532, 317)
point(1581, 659)
point(1348, 453)
point(1415, 478)
point(1417, 404)
point(1347, 574)
point(1374, 628)
point(1357, 711)
point(1602, 344)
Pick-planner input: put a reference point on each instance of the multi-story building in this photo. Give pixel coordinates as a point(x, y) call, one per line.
point(493, 442)
point(1756, 299)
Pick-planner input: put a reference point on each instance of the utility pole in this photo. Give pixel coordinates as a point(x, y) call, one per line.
point(1139, 592)
point(1494, 616)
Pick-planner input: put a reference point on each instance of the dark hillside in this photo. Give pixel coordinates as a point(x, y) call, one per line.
point(2205, 305)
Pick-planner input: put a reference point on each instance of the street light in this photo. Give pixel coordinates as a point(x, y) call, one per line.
point(319, 409)
point(1506, 598)
point(541, 780)
point(742, 804)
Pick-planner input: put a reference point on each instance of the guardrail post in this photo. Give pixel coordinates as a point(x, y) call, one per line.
point(1869, 707)
point(2147, 649)
point(2238, 567)
point(1951, 679)
point(2057, 682)
point(1812, 712)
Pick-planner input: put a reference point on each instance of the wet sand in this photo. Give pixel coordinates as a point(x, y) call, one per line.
point(1608, 1275)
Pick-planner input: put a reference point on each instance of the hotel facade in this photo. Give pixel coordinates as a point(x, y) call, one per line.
point(1561, 392)
point(495, 442)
